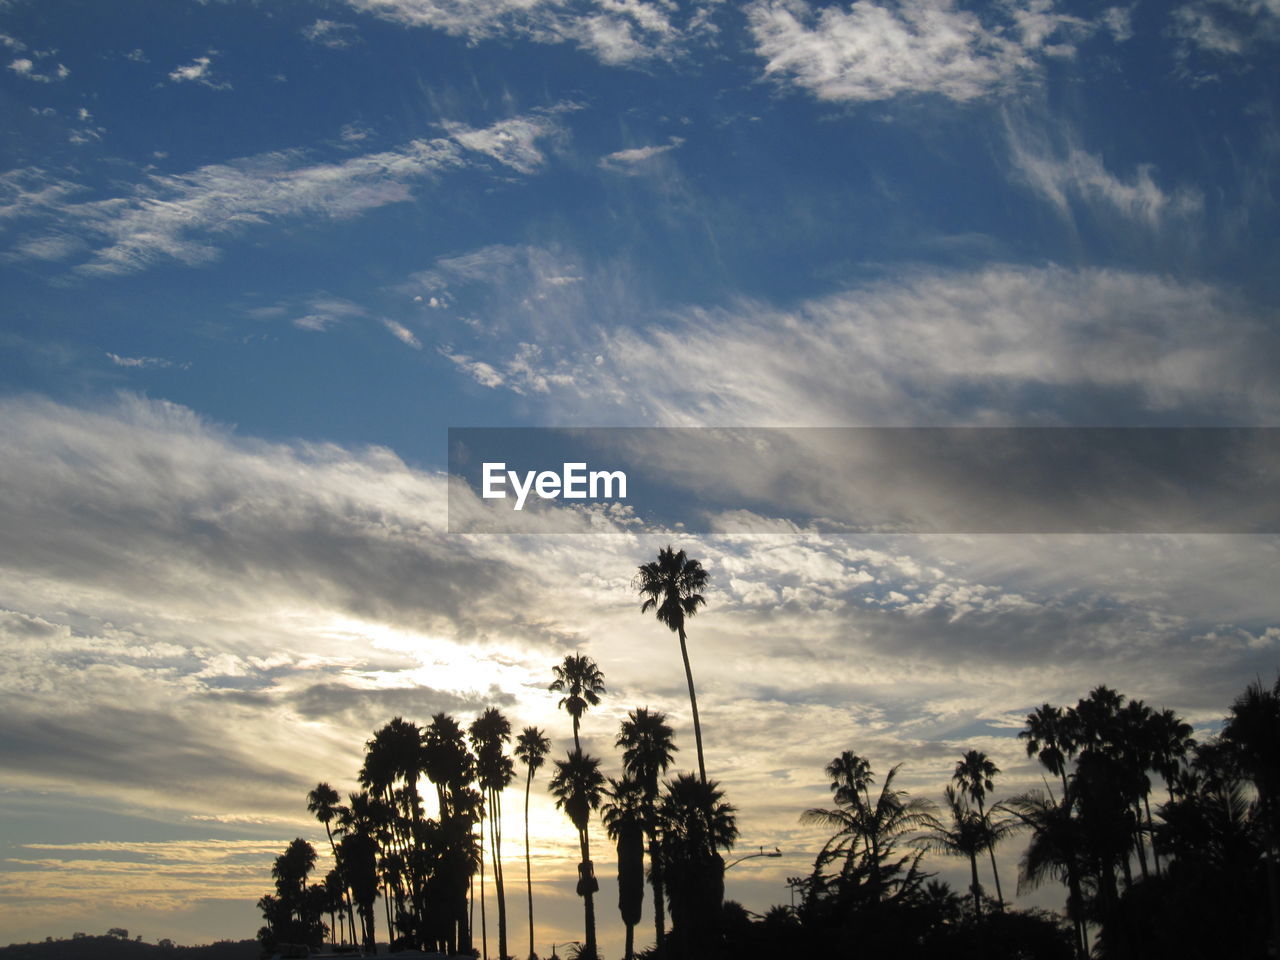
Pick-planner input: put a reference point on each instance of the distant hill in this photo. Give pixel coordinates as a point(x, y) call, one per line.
point(113, 948)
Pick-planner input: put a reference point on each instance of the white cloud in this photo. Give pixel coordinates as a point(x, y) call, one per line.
point(138, 362)
point(26, 67)
point(1001, 345)
point(332, 34)
point(403, 334)
point(1073, 174)
point(1226, 28)
point(200, 71)
point(179, 216)
point(874, 51)
point(512, 143)
point(613, 31)
point(627, 161)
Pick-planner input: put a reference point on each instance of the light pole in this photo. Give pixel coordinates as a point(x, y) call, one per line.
point(576, 943)
point(775, 852)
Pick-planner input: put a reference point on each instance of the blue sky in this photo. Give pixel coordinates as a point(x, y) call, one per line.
point(257, 258)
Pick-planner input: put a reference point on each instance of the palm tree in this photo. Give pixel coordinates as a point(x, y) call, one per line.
point(322, 803)
point(577, 786)
point(695, 823)
point(1048, 737)
point(624, 823)
point(973, 775)
point(670, 588)
point(968, 834)
point(876, 823)
point(581, 682)
point(490, 732)
point(531, 750)
point(647, 748)
point(1056, 851)
point(1252, 733)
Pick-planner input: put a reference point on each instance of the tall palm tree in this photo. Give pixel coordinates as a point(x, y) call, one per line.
point(967, 835)
point(973, 775)
point(577, 786)
point(581, 682)
point(624, 822)
point(531, 749)
point(647, 751)
point(490, 732)
point(670, 586)
point(322, 803)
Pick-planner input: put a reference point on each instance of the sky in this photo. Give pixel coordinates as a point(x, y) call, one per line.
point(258, 258)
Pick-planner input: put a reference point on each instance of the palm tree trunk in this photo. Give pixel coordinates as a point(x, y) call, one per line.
point(631, 942)
point(528, 863)
point(976, 888)
point(495, 841)
point(589, 906)
point(693, 704)
point(655, 877)
point(1151, 832)
point(992, 851)
point(484, 924)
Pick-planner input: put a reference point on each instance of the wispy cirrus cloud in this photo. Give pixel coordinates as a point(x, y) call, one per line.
point(181, 217)
point(615, 33)
point(1068, 175)
point(876, 51)
point(1005, 344)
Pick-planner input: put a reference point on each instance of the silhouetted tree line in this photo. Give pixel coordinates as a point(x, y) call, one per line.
point(415, 874)
point(1190, 875)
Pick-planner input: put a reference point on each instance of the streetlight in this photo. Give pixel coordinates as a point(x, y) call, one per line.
point(775, 852)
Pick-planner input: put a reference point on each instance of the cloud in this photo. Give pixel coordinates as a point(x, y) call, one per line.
point(512, 143)
point(616, 32)
point(138, 362)
point(331, 34)
point(1073, 175)
point(202, 624)
point(180, 216)
point(403, 334)
point(1226, 29)
point(25, 67)
point(200, 71)
point(628, 161)
point(872, 51)
point(1003, 345)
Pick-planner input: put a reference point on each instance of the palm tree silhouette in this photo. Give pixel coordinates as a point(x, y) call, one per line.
point(581, 682)
point(695, 823)
point(322, 803)
point(1056, 852)
point(1048, 738)
point(531, 749)
point(624, 822)
point(647, 748)
point(876, 823)
point(577, 786)
point(973, 775)
point(1252, 732)
point(490, 732)
point(670, 588)
point(968, 834)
